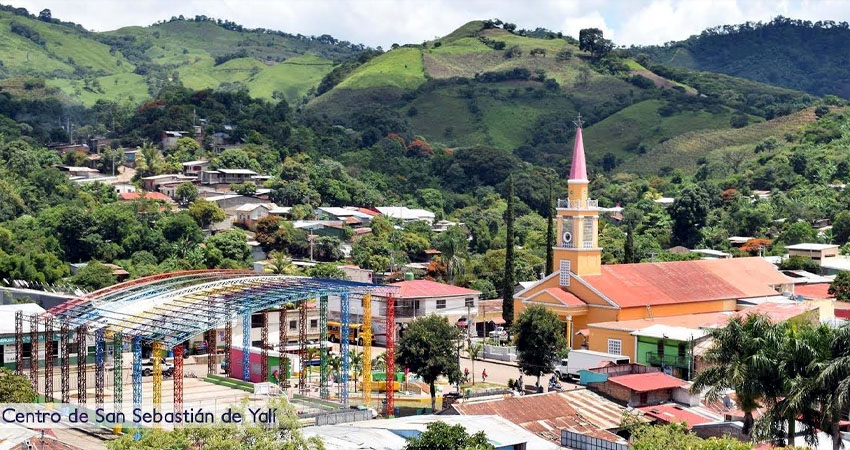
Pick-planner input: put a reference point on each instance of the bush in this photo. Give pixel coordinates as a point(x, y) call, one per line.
point(26, 32)
point(641, 81)
point(739, 120)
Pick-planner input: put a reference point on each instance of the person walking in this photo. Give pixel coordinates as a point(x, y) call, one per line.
point(484, 376)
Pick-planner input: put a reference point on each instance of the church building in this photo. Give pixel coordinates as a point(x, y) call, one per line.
point(583, 291)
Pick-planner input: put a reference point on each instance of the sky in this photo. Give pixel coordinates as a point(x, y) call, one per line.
point(384, 22)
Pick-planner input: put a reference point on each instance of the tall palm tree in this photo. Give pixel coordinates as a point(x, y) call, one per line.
point(473, 349)
point(737, 361)
point(452, 256)
point(150, 160)
point(824, 397)
point(356, 361)
point(312, 352)
point(282, 264)
point(380, 362)
point(796, 348)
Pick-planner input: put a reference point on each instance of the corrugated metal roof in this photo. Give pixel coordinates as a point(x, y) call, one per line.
point(646, 382)
point(580, 411)
point(428, 288)
point(632, 285)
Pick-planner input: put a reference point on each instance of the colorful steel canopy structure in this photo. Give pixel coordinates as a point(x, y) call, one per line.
point(168, 309)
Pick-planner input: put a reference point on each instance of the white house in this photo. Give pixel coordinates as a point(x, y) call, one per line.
point(406, 214)
point(248, 214)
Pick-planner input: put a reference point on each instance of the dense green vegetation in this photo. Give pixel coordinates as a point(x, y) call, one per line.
point(796, 54)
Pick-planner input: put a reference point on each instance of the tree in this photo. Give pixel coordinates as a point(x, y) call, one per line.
point(737, 361)
point(539, 335)
point(94, 276)
point(429, 348)
point(181, 229)
point(15, 388)
point(841, 228)
point(442, 436)
point(247, 188)
point(473, 350)
point(45, 15)
point(284, 433)
point(550, 233)
point(326, 270)
point(149, 161)
point(629, 250)
point(274, 234)
point(677, 436)
point(228, 247)
point(840, 286)
point(282, 264)
point(689, 212)
point(797, 233)
point(508, 286)
point(206, 212)
point(186, 193)
point(592, 41)
point(356, 361)
point(452, 246)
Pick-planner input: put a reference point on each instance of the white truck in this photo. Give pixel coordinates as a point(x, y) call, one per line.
point(585, 359)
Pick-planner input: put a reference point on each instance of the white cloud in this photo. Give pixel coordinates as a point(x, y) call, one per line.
point(383, 22)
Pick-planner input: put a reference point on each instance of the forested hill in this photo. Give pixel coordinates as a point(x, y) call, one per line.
point(133, 63)
point(809, 56)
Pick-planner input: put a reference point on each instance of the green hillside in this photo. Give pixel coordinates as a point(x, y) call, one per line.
point(487, 86)
point(131, 64)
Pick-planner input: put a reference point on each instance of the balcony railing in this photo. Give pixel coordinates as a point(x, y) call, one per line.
point(655, 359)
point(565, 203)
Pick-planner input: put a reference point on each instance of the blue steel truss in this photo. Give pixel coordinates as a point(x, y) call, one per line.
point(172, 310)
point(246, 346)
point(137, 379)
point(344, 329)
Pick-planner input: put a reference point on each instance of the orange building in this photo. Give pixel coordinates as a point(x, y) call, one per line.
point(583, 291)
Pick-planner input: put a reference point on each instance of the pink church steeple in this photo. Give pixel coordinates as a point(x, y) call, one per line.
point(578, 169)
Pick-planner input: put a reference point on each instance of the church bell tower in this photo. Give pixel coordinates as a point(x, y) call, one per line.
point(577, 249)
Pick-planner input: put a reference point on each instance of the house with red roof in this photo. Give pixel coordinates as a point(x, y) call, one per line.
point(582, 291)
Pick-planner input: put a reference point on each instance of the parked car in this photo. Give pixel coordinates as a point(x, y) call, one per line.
point(147, 368)
point(499, 333)
point(561, 369)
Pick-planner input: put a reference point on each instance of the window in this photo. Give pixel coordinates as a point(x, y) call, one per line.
point(564, 277)
point(293, 324)
point(314, 323)
point(257, 320)
point(660, 348)
point(441, 304)
point(587, 232)
point(615, 346)
point(567, 233)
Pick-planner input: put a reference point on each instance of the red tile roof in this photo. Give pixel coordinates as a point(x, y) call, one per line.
point(566, 298)
point(646, 382)
point(148, 195)
point(635, 285)
point(673, 413)
point(427, 288)
point(814, 291)
point(580, 411)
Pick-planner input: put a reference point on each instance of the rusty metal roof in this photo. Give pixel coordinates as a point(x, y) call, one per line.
point(579, 410)
point(634, 285)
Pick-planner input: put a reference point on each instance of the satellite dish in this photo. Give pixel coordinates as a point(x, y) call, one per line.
point(567, 237)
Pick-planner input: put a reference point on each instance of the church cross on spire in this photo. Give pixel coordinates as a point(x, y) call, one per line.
point(578, 169)
point(578, 122)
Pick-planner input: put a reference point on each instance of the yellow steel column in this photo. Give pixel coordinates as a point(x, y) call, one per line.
point(367, 349)
point(157, 376)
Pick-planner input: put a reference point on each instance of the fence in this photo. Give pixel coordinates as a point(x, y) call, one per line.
point(343, 417)
point(499, 353)
point(579, 441)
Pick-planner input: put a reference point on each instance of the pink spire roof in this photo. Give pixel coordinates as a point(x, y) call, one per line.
point(578, 169)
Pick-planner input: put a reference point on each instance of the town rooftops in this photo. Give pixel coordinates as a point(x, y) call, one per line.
point(579, 410)
point(777, 312)
point(680, 334)
point(810, 247)
point(129, 196)
point(642, 284)
point(813, 291)
point(647, 382)
point(405, 213)
point(197, 162)
point(427, 288)
point(248, 207)
point(675, 413)
point(688, 321)
point(237, 171)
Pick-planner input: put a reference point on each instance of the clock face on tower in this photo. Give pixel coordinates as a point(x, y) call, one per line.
point(567, 237)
